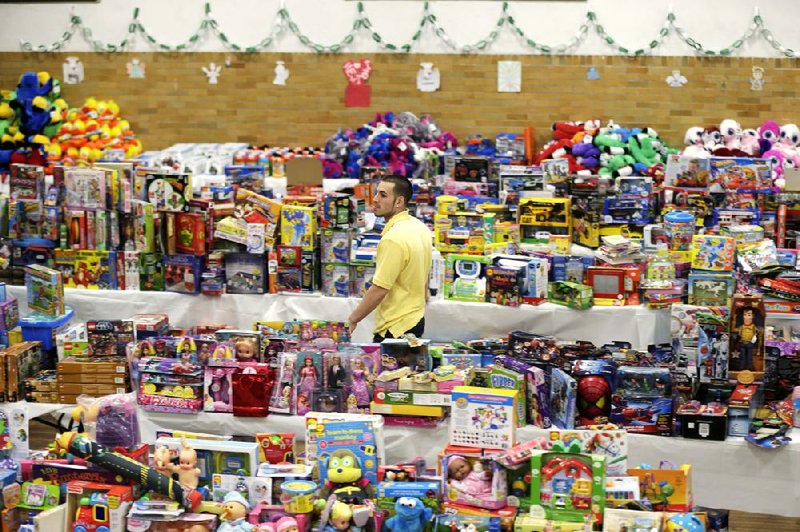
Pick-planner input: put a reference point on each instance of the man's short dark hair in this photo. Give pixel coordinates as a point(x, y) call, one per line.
point(402, 186)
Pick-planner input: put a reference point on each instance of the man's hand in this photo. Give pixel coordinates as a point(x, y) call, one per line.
point(353, 324)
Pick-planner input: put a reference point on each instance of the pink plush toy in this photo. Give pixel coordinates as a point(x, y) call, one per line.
point(768, 135)
point(779, 162)
point(750, 144)
point(731, 133)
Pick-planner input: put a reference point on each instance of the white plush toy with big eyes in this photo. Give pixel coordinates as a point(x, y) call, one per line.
point(731, 133)
point(695, 145)
point(789, 139)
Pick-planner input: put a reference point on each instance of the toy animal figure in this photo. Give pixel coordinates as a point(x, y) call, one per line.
point(345, 478)
point(410, 515)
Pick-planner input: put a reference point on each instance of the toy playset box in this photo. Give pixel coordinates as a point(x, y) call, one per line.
point(463, 232)
point(482, 417)
point(567, 484)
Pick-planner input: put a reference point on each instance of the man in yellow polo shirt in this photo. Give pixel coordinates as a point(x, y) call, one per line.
point(399, 288)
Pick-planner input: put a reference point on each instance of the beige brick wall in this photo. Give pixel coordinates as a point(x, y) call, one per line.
point(176, 104)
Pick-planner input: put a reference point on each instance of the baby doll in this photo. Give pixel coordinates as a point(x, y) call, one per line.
point(245, 350)
point(187, 470)
point(340, 517)
point(467, 478)
point(161, 461)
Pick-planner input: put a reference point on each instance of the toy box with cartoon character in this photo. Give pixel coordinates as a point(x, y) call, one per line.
point(712, 253)
point(474, 481)
point(741, 173)
point(667, 489)
point(504, 285)
point(347, 459)
point(465, 277)
point(298, 226)
point(567, 484)
point(572, 295)
point(170, 385)
point(642, 401)
point(463, 232)
point(563, 394)
point(534, 275)
point(166, 192)
point(711, 289)
point(482, 417)
point(544, 215)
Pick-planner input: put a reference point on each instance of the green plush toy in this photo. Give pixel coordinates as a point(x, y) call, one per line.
point(616, 165)
point(641, 149)
point(610, 144)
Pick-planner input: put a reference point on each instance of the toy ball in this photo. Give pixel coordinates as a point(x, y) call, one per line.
point(594, 396)
point(685, 523)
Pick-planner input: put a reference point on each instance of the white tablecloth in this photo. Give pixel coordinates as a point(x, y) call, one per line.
point(730, 474)
point(444, 320)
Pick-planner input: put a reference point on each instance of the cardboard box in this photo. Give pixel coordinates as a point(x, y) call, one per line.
point(652, 482)
point(93, 378)
point(402, 397)
point(91, 389)
point(72, 365)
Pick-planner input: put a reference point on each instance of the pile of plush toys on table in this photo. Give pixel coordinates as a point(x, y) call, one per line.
point(334, 476)
point(38, 127)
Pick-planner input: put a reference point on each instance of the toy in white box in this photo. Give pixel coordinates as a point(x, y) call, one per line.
point(483, 417)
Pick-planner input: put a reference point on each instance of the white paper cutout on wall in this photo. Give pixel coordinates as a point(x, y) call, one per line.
point(757, 81)
point(135, 69)
point(213, 71)
point(676, 79)
point(428, 79)
point(228, 61)
point(592, 74)
point(73, 71)
point(509, 76)
point(281, 73)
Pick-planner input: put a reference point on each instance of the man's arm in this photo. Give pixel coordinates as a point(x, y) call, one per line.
point(370, 302)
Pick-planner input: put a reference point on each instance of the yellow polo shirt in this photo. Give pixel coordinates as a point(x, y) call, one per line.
point(403, 266)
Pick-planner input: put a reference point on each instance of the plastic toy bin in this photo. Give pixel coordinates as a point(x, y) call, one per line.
point(43, 328)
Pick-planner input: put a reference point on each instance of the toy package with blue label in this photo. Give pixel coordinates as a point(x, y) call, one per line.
point(570, 268)
point(563, 394)
point(637, 211)
point(642, 400)
point(336, 280)
point(534, 275)
point(347, 455)
point(741, 173)
point(182, 273)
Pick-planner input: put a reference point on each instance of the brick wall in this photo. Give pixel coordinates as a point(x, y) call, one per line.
point(176, 104)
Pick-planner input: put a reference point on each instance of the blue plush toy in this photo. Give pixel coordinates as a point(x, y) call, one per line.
point(410, 515)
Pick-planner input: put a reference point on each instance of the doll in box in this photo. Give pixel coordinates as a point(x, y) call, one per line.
point(359, 386)
point(475, 482)
point(309, 375)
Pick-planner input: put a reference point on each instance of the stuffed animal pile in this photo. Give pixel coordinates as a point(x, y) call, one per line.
point(779, 144)
point(29, 115)
point(610, 151)
point(407, 145)
point(92, 132)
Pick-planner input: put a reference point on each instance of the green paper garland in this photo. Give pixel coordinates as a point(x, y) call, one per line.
point(283, 21)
